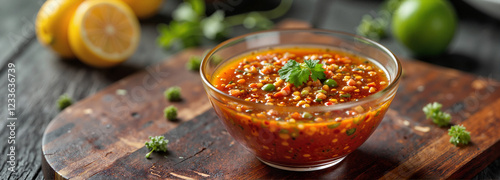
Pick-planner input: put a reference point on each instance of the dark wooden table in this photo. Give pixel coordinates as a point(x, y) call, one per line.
point(41, 76)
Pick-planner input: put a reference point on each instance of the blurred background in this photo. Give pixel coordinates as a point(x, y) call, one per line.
point(43, 75)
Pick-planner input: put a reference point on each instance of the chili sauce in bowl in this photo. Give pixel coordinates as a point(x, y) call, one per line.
point(302, 107)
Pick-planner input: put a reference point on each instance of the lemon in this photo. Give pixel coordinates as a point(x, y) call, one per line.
point(144, 8)
point(52, 25)
point(104, 33)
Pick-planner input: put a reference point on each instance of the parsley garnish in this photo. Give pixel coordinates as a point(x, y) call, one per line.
point(298, 73)
point(433, 111)
point(459, 135)
point(194, 63)
point(64, 101)
point(173, 93)
point(170, 112)
point(157, 143)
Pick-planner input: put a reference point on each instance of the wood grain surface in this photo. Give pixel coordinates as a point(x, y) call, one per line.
point(102, 137)
point(42, 76)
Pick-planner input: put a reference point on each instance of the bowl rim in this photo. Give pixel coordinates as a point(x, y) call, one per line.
point(340, 106)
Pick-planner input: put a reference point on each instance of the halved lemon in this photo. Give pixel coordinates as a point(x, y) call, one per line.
point(104, 33)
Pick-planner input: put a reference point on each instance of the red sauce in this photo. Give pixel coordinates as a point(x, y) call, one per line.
point(300, 138)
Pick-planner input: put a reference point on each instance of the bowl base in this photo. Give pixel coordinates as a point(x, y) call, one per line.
point(304, 168)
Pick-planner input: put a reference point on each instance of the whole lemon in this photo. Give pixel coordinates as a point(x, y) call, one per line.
point(144, 8)
point(51, 25)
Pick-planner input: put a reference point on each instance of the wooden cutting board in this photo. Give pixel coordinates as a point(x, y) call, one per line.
point(102, 137)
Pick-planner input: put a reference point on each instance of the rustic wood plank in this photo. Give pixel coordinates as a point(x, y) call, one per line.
point(37, 94)
point(201, 145)
point(42, 77)
point(120, 123)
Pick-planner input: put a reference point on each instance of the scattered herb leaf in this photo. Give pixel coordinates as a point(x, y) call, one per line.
point(64, 101)
point(433, 111)
point(459, 136)
point(194, 63)
point(157, 143)
point(170, 112)
point(173, 93)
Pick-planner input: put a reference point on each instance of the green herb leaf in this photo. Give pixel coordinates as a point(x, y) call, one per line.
point(194, 63)
point(185, 12)
point(64, 101)
point(433, 111)
point(298, 74)
point(157, 143)
point(459, 136)
point(198, 6)
point(170, 112)
point(213, 26)
point(173, 93)
point(317, 71)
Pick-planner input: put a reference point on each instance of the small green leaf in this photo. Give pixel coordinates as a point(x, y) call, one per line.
point(459, 136)
point(170, 112)
point(198, 6)
point(173, 93)
point(213, 25)
point(194, 63)
point(64, 101)
point(298, 74)
point(157, 143)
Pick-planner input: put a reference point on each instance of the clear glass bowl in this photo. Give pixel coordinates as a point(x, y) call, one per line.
point(304, 146)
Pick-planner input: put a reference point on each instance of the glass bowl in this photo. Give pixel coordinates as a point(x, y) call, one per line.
point(300, 146)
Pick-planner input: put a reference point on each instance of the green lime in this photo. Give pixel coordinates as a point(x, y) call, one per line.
point(426, 27)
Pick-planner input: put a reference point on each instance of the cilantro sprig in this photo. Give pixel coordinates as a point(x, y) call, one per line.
point(157, 143)
point(376, 25)
point(433, 111)
point(299, 73)
point(190, 25)
point(459, 135)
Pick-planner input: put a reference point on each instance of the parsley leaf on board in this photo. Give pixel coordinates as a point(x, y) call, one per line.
point(433, 111)
point(157, 143)
point(64, 101)
point(298, 73)
point(459, 135)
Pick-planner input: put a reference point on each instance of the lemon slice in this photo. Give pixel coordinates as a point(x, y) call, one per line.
point(104, 33)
